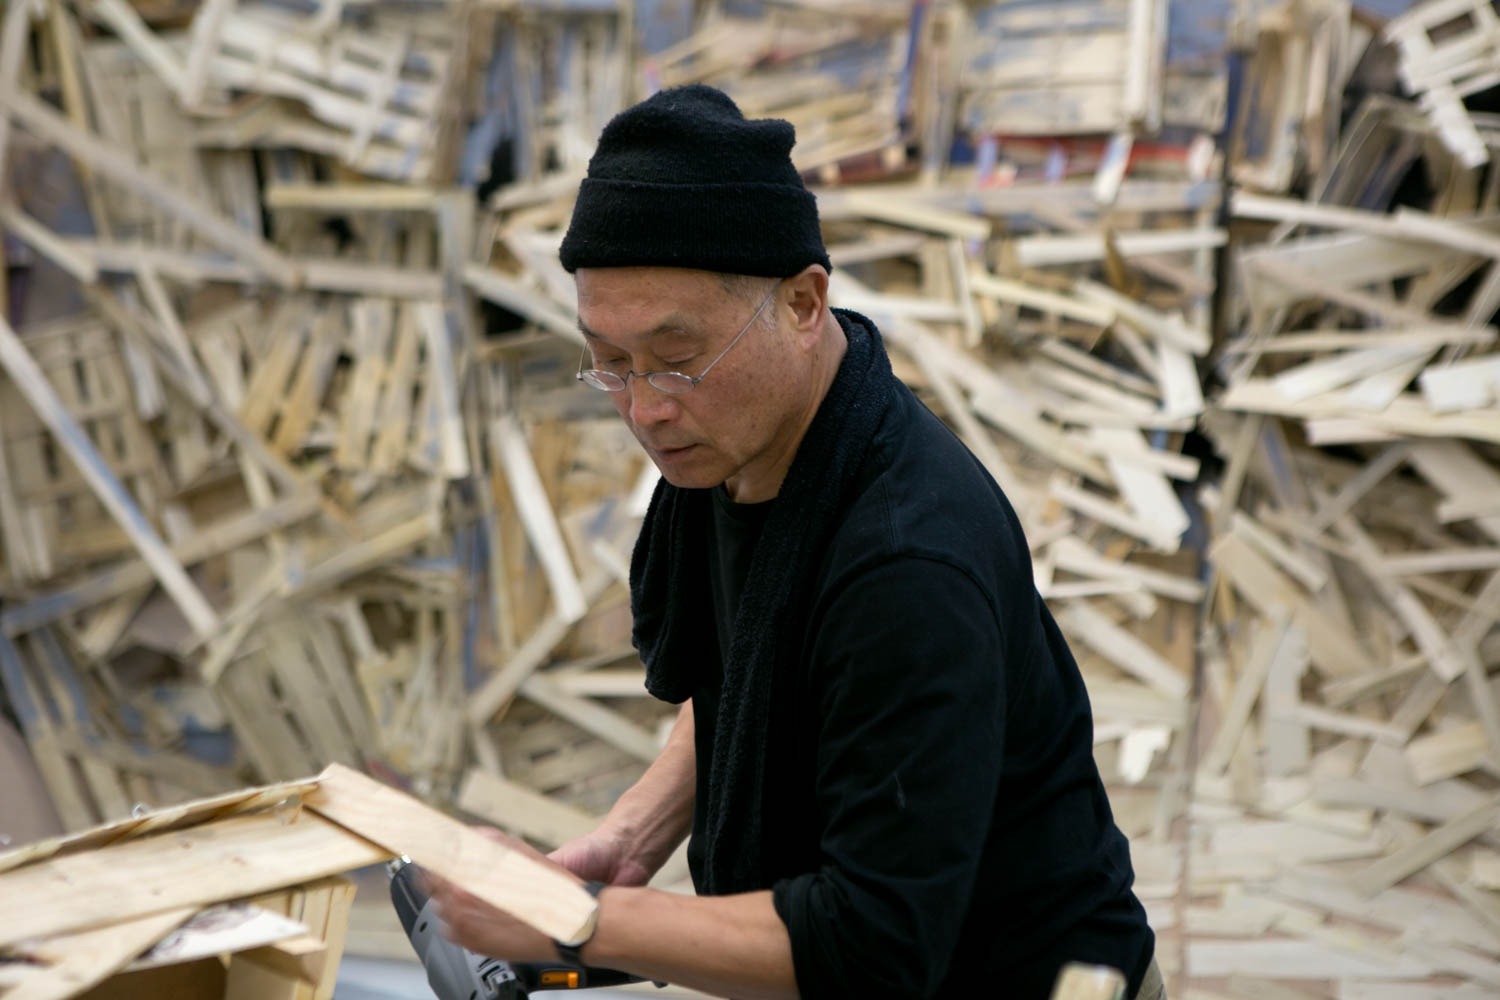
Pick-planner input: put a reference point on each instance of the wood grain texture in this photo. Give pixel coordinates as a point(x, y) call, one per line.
point(78, 961)
point(533, 891)
point(207, 864)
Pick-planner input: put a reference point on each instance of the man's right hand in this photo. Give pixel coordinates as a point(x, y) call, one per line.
point(602, 856)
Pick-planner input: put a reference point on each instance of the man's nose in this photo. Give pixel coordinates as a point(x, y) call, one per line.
point(648, 404)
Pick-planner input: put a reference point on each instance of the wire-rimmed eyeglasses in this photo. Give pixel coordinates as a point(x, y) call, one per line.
point(675, 383)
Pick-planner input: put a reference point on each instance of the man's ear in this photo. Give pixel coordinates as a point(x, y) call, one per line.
point(807, 297)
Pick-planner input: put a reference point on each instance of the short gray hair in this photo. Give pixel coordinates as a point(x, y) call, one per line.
point(749, 288)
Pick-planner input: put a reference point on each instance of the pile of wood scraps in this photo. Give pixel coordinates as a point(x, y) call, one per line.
point(266, 500)
point(294, 469)
point(1346, 786)
point(240, 895)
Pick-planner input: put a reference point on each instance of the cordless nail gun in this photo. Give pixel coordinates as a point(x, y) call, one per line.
point(455, 973)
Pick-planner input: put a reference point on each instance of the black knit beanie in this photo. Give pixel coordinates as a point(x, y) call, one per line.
point(683, 179)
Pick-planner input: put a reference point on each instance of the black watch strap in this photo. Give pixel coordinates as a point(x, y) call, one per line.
point(569, 952)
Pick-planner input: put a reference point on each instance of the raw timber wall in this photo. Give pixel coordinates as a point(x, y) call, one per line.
point(293, 470)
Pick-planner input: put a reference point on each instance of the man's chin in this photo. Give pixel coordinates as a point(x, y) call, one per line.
point(685, 477)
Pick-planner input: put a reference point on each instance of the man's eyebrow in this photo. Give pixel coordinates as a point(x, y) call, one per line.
point(672, 324)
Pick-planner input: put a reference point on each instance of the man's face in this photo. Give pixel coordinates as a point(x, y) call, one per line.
point(735, 422)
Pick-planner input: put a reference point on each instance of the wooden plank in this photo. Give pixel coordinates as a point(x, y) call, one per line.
point(1074, 556)
point(1449, 753)
point(497, 691)
point(1304, 570)
point(47, 243)
point(537, 516)
point(33, 384)
point(1146, 491)
point(14, 35)
point(1123, 649)
point(1182, 390)
point(1445, 660)
point(1442, 561)
point(1278, 638)
point(1322, 375)
point(370, 335)
point(1183, 468)
point(208, 23)
point(1387, 461)
point(300, 404)
point(1167, 327)
point(338, 198)
point(1117, 517)
point(111, 163)
point(214, 539)
point(77, 961)
point(1294, 959)
point(123, 19)
point(1330, 721)
point(1044, 301)
point(206, 864)
point(522, 811)
point(1334, 650)
point(592, 717)
point(503, 290)
point(623, 683)
point(1285, 740)
point(443, 380)
point(538, 893)
point(1339, 340)
point(303, 958)
point(1419, 854)
point(1066, 354)
point(1052, 250)
point(892, 208)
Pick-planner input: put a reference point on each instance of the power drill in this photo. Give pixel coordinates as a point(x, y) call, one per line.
point(455, 973)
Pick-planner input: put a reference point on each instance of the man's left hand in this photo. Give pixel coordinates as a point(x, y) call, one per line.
point(484, 929)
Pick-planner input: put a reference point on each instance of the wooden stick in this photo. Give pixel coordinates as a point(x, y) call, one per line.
point(33, 384)
point(207, 864)
point(48, 244)
point(1444, 659)
point(1278, 638)
point(1419, 854)
point(87, 958)
point(497, 691)
point(13, 37)
point(1050, 250)
point(503, 290)
point(216, 539)
point(592, 717)
point(339, 198)
point(208, 23)
point(111, 163)
point(1123, 649)
point(521, 810)
point(538, 517)
point(536, 892)
point(175, 337)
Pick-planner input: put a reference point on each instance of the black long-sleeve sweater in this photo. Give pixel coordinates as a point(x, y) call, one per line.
point(933, 818)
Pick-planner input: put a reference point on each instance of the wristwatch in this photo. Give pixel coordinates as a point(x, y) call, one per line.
point(569, 952)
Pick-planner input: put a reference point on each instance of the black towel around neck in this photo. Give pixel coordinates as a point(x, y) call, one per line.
point(674, 620)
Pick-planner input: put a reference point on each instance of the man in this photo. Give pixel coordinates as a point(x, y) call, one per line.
point(884, 754)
